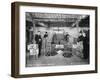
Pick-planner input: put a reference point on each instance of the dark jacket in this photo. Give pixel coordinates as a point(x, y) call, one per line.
point(38, 39)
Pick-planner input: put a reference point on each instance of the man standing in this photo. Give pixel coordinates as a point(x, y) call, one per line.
point(38, 40)
point(45, 42)
point(85, 38)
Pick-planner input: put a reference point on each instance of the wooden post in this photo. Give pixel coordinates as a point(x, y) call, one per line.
point(33, 22)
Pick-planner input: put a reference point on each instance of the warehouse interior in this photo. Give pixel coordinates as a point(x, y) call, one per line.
point(56, 48)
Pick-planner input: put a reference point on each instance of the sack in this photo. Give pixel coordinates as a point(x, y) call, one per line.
point(74, 45)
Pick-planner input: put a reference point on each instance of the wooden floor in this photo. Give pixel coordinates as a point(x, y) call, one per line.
point(57, 60)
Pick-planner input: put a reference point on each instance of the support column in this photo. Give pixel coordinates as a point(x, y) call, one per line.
point(33, 22)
